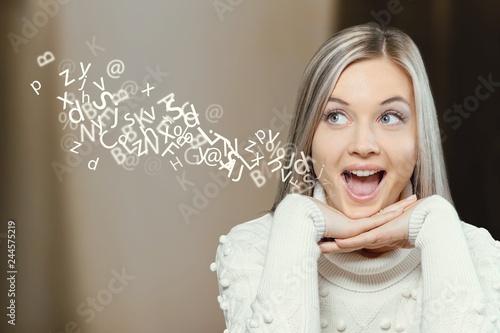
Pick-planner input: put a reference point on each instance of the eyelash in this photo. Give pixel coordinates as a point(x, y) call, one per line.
point(328, 113)
point(399, 115)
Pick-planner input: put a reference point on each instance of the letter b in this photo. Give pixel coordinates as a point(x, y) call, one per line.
point(383, 17)
point(89, 110)
point(130, 133)
point(258, 178)
point(219, 178)
point(51, 7)
point(118, 155)
point(199, 200)
point(29, 30)
point(45, 59)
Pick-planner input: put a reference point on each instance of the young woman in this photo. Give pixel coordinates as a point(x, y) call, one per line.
point(375, 245)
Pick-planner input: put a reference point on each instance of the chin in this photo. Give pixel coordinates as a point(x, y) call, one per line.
point(359, 212)
point(353, 210)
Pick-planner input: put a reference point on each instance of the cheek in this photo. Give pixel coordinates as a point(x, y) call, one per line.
point(405, 158)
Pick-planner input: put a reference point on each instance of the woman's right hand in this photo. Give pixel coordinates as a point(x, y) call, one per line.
point(339, 226)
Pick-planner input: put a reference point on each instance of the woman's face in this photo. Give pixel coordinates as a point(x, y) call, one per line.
point(364, 148)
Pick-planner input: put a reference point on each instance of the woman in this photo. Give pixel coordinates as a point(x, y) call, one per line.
point(358, 252)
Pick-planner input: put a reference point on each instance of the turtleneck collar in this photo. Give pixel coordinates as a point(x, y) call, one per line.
point(356, 272)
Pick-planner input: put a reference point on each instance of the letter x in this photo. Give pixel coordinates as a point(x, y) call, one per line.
point(148, 89)
point(65, 100)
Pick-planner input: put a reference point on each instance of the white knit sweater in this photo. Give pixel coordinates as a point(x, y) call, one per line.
point(273, 277)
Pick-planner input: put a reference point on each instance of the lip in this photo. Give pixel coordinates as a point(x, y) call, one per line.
point(363, 167)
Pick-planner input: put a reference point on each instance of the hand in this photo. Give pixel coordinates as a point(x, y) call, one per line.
point(385, 230)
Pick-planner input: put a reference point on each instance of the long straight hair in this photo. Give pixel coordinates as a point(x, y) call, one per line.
point(354, 44)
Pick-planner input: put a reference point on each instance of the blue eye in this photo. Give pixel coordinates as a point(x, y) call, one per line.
point(337, 118)
point(390, 118)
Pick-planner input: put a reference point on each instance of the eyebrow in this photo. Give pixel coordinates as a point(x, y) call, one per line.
point(387, 101)
point(337, 100)
point(395, 99)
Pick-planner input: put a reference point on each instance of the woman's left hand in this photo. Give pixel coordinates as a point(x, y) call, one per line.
point(389, 236)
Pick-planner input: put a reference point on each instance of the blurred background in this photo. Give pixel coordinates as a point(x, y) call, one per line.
point(109, 242)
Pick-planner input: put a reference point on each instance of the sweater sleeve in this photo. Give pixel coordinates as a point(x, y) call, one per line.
point(269, 283)
point(453, 299)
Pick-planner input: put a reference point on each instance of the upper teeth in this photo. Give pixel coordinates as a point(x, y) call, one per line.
point(364, 173)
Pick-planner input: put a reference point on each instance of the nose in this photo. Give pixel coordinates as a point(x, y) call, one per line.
point(363, 141)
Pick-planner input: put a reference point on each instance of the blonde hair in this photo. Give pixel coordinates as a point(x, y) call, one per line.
point(354, 44)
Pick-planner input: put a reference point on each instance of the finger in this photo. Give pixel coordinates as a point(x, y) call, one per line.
point(394, 245)
point(332, 247)
point(370, 239)
point(401, 204)
point(364, 240)
point(327, 247)
point(387, 234)
point(363, 225)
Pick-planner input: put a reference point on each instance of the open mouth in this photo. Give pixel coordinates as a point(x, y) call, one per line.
point(363, 184)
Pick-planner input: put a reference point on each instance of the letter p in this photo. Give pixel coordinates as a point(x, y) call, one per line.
point(38, 88)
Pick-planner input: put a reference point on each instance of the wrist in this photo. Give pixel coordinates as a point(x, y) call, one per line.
point(300, 205)
point(436, 208)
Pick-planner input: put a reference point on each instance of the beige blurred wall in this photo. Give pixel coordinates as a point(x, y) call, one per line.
point(100, 223)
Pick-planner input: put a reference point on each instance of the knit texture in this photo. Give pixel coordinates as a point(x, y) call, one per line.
point(273, 278)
